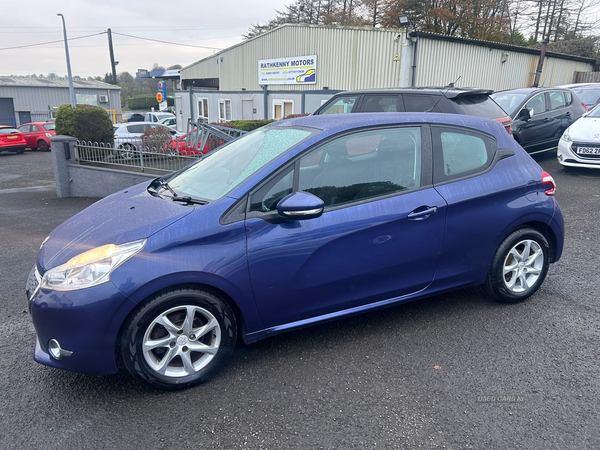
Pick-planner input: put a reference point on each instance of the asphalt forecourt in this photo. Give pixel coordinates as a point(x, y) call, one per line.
point(455, 370)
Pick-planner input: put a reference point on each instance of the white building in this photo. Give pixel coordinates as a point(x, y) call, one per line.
point(269, 76)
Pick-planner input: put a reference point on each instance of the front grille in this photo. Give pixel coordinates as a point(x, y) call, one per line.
point(575, 146)
point(33, 283)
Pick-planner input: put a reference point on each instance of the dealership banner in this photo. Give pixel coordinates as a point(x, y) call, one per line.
point(294, 70)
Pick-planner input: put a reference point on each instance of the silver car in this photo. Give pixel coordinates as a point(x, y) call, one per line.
point(128, 137)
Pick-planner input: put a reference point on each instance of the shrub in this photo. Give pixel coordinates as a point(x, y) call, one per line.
point(85, 122)
point(291, 116)
point(245, 125)
point(156, 139)
point(146, 102)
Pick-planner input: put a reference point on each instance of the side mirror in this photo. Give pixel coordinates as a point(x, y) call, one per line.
point(526, 114)
point(300, 206)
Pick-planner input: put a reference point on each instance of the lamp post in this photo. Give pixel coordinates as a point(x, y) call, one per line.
point(71, 90)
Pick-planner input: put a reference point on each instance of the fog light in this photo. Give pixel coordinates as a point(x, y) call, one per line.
point(560, 157)
point(54, 348)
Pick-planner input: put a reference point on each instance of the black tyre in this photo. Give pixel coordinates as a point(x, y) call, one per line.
point(20, 151)
point(519, 266)
point(179, 338)
point(43, 146)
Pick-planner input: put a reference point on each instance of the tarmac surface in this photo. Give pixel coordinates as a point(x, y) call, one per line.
point(454, 371)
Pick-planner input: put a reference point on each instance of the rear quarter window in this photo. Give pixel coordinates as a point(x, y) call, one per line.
point(478, 105)
point(459, 152)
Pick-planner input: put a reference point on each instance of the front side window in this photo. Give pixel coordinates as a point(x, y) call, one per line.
point(363, 165)
point(266, 197)
point(459, 152)
point(537, 104)
point(215, 175)
point(342, 105)
point(224, 110)
point(25, 128)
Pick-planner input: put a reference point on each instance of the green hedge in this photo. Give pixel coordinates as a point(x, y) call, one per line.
point(246, 125)
point(85, 122)
point(146, 102)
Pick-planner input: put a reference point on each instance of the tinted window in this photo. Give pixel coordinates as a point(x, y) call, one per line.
point(390, 162)
point(380, 103)
point(537, 103)
point(137, 128)
point(49, 126)
point(557, 99)
point(479, 105)
point(419, 103)
point(266, 198)
point(342, 105)
point(460, 152)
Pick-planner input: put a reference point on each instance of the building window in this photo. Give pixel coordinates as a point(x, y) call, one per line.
point(224, 110)
point(282, 108)
point(203, 110)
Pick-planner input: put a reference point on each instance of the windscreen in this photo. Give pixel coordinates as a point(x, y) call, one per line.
point(594, 112)
point(588, 96)
point(8, 130)
point(509, 101)
point(479, 105)
point(220, 172)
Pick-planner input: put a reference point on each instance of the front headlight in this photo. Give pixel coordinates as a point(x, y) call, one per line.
point(566, 136)
point(90, 268)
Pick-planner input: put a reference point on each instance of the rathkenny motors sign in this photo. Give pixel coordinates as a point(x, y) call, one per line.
point(294, 70)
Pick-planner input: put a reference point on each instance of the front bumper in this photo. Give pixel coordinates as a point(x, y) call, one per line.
point(567, 157)
point(85, 322)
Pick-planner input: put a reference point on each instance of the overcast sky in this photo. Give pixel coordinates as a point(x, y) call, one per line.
point(218, 24)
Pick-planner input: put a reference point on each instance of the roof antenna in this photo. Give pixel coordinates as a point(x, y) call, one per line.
point(450, 86)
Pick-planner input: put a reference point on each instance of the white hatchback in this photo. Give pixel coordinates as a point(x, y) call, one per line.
point(579, 145)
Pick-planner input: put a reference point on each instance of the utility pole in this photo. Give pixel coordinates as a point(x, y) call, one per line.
point(71, 90)
point(112, 58)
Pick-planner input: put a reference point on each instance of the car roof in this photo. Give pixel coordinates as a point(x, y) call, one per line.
point(36, 123)
point(532, 90)
point(447, 91)
point(337, 123)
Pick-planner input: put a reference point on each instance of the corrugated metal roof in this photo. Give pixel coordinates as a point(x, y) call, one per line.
point(54, 82)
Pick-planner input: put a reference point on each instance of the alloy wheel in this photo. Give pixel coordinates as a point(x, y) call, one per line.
point(523, 266)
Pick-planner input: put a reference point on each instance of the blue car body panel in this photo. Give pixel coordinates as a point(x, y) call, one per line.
point(280, 276)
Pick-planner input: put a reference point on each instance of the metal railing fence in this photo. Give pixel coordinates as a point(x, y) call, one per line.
point(158, 154)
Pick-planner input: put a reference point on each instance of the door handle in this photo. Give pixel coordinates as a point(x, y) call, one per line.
point(547, 119)
point(424, 214)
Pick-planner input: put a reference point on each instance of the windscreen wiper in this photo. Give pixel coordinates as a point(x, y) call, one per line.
point(189, 200)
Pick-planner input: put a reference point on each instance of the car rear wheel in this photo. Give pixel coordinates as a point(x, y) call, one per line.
point(519, 266)
point(179, 338)
point(43, 146)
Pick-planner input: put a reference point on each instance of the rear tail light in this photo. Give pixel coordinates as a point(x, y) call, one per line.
point(586, 108)
point(548, 183)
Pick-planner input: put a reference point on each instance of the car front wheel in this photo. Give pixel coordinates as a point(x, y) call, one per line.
point(519, 266)
point(179, 338)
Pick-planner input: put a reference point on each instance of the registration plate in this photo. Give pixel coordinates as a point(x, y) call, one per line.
point(12, 137)
point(588, 150)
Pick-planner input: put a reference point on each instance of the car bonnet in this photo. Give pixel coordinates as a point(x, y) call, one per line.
point(122, 217)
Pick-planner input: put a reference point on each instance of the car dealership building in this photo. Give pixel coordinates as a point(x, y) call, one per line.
point(293, 69)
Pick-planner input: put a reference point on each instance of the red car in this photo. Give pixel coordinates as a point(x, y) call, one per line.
point(37, 135)
point(11, 140)
point(189, 147)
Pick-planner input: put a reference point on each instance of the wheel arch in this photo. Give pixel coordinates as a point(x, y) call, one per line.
point(548, 233)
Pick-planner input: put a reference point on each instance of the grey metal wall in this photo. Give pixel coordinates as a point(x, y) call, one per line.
point(38, 100)
point(441, 62)
point(347, 58)
point(586, 77)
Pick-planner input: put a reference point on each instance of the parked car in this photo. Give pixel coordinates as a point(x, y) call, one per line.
point(579, 145)
point(38, 134)
point(130, 116)
point(128, 137)
point(190, 146)
point(449, 99)
point(11, 140)
point(170, 122)
point(157, 116)
point(282, 228)
point(540, 115)
point(588, 94)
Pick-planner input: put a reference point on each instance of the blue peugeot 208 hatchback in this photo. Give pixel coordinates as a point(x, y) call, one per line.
point(300, 222)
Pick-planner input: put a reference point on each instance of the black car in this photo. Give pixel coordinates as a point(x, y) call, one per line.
point(540, 115)
point(448, 99)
